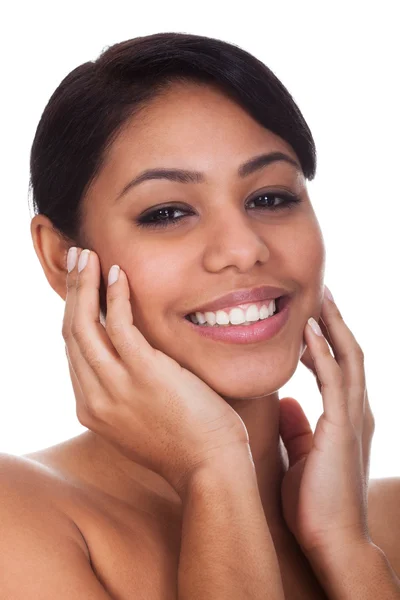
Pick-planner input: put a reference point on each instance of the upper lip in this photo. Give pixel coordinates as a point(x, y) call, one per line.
point(265, 292)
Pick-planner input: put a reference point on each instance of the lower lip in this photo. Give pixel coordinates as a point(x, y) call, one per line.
point(248, 334)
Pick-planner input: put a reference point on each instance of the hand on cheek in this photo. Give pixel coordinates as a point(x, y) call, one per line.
point(324, 491)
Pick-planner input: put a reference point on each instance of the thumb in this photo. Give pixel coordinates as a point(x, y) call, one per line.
point(295, 430)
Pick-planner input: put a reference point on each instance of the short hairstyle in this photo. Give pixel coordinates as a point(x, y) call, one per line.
point(92, 103)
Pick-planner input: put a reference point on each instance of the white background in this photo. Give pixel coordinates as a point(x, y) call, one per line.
point(340, 63)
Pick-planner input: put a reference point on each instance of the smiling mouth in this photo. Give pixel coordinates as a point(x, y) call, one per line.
point(279, 302)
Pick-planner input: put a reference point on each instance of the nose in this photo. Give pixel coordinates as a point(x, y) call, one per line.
point(235, 241)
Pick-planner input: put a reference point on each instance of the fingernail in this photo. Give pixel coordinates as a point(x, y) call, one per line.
point(113, 274)
point(83, 260)
point(314, 326)
point(328, 294)
point(71, 258)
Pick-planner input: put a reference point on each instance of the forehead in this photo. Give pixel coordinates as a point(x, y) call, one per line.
point(192, 122)
point(189, 127)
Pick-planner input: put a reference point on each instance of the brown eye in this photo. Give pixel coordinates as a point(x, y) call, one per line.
point(159, 217)
point(287, 200)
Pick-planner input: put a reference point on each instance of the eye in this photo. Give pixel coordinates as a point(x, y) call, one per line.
point(159, 218)
point(287, 200)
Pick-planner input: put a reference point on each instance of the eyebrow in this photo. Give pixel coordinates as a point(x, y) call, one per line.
point(183, 176)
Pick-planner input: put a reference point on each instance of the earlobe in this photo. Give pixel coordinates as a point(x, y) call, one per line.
point(51, 248)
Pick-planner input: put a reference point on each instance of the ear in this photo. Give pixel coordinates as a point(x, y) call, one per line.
point(51, 248)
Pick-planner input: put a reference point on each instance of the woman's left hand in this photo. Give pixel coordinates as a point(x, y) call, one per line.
point(325, 489)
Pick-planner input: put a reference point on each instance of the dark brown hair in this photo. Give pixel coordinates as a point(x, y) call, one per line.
point(90, 106)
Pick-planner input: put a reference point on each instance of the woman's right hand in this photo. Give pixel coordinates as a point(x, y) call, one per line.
point(154, 411)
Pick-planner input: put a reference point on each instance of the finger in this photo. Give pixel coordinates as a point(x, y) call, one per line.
point(83, 411)
point(81, 372)
point(350, 358)
point(308, 362)
point(306, 358)
point(325, 331)
point(72, 349)
point(73, 256)
point(92, 354)
point(369, 420)
point(133, 348)
point(367, 435)
point(294, 429)
point(86, 385)
point(92, 400)
point(330, 375)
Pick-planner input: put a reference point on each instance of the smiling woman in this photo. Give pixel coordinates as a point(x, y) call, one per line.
point(175, 489)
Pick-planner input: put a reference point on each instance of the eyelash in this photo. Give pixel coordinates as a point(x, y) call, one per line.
point(289, 201)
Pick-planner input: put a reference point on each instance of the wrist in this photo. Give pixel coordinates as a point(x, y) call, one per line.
point(337, 556)
point(355, 571)
point(231, 465)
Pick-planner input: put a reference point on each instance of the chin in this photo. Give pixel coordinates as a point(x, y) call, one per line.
point(249, 382)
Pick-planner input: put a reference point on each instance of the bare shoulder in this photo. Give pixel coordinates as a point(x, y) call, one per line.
point(384, 517)
point(37, 534)
point(34, 490)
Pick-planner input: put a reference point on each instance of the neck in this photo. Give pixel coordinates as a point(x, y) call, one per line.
point(112, 470)
point(261, 418)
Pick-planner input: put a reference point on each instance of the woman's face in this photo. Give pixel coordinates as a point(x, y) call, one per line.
point(223, 242)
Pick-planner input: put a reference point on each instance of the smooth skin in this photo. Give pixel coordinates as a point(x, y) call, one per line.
point(130, 393)
point(223, 243)
point(325, 489)
point(114, 371)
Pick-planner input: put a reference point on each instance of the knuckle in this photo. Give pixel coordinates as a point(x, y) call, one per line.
point(351, 437)
point(91, 356)
point(114, 328)
point(339, 378)
point(66, 331)
point(77, 331)
point(371, 424)
point(112, 296)
point(93, 413)
point(70, 282)
point(359, 352)
point(338, 313)
point(326, 351)
point(86, 410)
point(370, 419)
point(125, 348)
point(105, 410)
point(112, 292)
point(356, 390)
point(83, 416)
point(80, 282)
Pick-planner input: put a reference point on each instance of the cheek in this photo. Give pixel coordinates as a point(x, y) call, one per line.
point(305, 262)
point(308, 255)
point(149, 284)
point(155, 285)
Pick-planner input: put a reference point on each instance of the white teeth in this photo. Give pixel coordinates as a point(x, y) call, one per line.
point(210, 317)
point(236, 316)
point(200, 318)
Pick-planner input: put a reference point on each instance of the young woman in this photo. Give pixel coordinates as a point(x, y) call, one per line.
point(172, 215)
